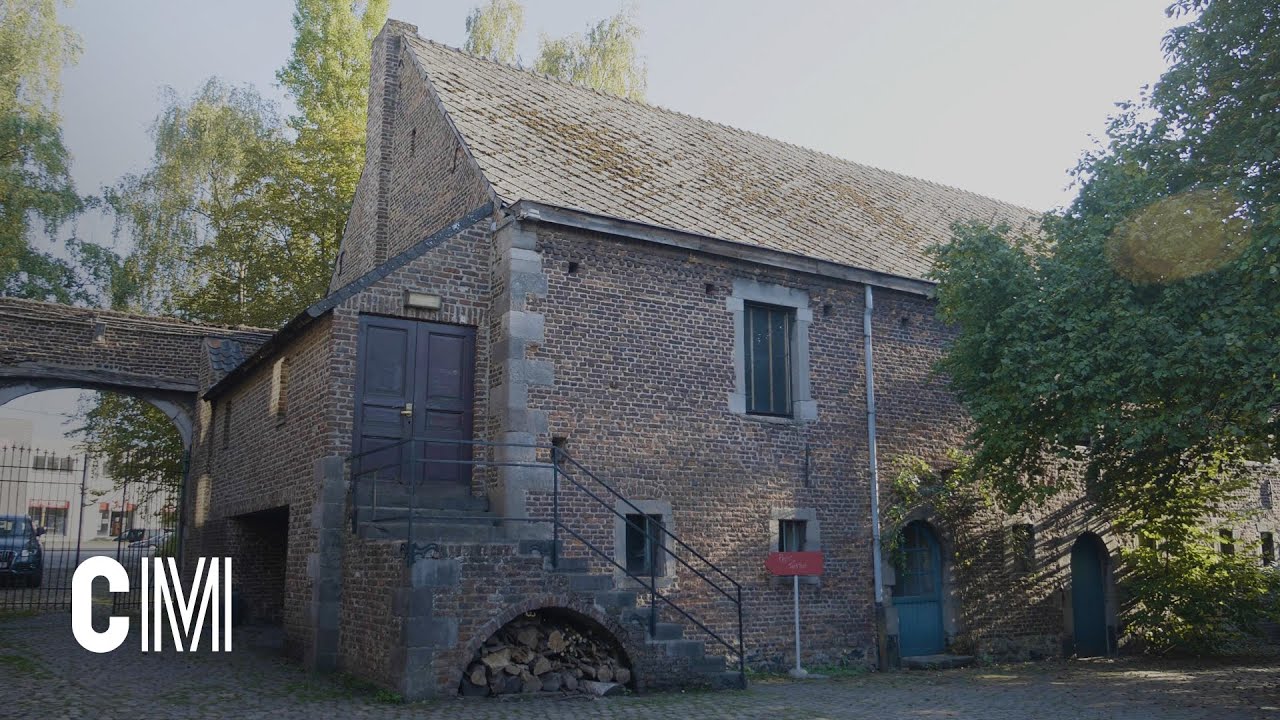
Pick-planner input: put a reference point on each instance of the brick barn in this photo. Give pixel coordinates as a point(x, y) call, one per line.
point(587, 357)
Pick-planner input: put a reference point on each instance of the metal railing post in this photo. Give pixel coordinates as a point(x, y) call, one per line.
point(742, 645)
point(413, 499)
point(555, 506)
point(653, 579)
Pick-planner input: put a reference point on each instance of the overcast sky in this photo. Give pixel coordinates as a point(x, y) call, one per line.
point(995, 96)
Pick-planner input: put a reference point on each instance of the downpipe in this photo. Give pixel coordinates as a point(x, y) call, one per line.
point(877, 571)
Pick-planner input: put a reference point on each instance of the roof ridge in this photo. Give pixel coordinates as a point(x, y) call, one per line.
point(732, 128)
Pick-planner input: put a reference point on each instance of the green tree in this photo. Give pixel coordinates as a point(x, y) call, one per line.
point(605, 57)
point(206, 243)
point(328, 77)
point(493, 31)
point(35, 177)
point(1136, 335)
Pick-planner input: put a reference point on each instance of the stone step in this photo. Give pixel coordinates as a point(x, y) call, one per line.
point(616, 600)
point(424, 515)
point(586, 583)
point(711, 664)
point(457, 500)
point(728, 680)
point(692, 649)
point(940, 661)
point(434, 531)
point(573, 565)
point(668, 631)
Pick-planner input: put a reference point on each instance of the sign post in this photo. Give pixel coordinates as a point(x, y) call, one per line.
point(795, 564)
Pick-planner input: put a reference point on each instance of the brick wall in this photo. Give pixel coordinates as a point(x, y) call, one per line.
point(642, 345)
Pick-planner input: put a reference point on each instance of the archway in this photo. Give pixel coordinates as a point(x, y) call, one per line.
point(1089, 596)
point(121, 501)
point(918, 591)
point(551, 649)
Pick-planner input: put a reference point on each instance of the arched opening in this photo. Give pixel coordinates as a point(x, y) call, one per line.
point(551, 649)
point(1089, 580)
point(918, 591)
point(84, 473)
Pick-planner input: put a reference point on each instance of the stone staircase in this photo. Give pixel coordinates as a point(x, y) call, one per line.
point(467, 521)
point(669, 637)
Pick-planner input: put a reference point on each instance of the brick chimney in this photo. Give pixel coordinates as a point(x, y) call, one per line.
point(364, 241)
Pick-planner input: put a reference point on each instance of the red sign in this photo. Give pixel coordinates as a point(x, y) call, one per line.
point(794, 563)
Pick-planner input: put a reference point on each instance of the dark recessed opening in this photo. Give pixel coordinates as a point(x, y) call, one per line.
point(573, 267)
point(826, 310)
point(710, 288)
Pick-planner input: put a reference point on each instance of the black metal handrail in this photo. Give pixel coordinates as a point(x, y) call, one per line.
point(559, 465)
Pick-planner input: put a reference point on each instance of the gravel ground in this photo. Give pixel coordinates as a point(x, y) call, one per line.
point(45, 674)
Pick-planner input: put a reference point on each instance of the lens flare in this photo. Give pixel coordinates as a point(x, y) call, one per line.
point(1179, 237)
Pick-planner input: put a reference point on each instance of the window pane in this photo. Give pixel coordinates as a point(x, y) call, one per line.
point(768, 359)
point(791, 535)
point(643, 551)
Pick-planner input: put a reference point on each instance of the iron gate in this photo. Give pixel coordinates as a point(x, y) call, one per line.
point(58, 509)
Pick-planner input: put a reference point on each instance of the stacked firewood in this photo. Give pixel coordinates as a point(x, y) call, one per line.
point(535, 654)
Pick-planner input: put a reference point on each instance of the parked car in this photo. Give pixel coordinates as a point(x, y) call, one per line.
point(154, 539)
point(21, 557)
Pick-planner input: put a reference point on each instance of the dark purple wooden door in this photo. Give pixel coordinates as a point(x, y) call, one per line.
point(414, 380)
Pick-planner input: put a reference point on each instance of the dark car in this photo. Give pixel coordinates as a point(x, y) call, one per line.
point(21, 557)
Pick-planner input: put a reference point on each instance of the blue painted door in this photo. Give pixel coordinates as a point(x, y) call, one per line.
point(917, 592)
point(1088, 597)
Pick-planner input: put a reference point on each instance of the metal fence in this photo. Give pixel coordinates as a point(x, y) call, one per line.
point(58, 509)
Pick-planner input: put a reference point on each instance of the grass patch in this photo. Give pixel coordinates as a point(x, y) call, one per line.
point(21, 664)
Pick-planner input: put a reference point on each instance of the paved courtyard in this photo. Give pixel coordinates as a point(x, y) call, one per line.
point(45, 674)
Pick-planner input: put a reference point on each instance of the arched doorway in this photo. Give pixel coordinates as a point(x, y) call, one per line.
point(1089, 596)
point(84, 474)
point(917, 592)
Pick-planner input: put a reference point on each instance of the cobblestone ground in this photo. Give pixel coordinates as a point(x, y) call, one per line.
point(45, 674)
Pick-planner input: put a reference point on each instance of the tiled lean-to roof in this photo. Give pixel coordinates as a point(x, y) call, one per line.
point(551, 142)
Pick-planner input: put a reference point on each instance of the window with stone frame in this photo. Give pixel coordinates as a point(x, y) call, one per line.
point(791, 535)
point(771, 352)
point(1226, 542)
point(644, 544)
point(1022, 548)
point(1268, 549)
point(768, 360)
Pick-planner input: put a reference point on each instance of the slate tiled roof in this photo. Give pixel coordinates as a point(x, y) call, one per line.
point(225, 354)
point(548, 141)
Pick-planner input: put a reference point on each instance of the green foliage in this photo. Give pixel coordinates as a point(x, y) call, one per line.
point(605, 58)
point(493, 31)
point(1189, 596)
point(207, 245)
point(138, 443)
point(328, 77)
point(35, 177)
point(1135, 335)
point(951, 496)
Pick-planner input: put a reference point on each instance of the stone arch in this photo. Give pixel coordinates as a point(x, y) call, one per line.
point(630, 640)
point(178, 406)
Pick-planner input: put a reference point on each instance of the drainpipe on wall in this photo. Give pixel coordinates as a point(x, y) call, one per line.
point(876, 571)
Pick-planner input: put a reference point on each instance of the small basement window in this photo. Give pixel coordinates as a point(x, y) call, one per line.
point(791, 535)
point(644, 544)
